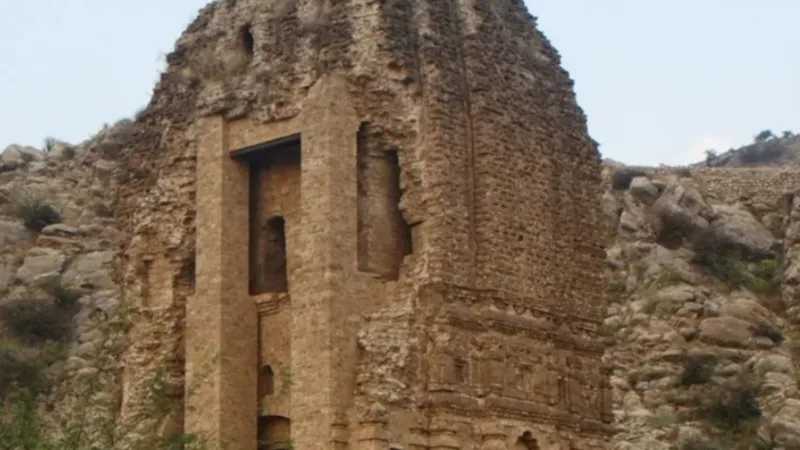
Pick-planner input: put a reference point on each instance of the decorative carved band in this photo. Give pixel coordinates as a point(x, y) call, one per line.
point(521, 305)
point(560, 337)
point(516, 409)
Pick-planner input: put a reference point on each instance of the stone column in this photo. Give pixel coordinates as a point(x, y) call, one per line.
point(221, 319)
point(322, 369)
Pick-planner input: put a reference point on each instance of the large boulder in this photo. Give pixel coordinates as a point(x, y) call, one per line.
point(90, 271)
point(726, 332)
point(748, 309)
point(41, 267)
point(17, 154)
point(644, 190)
point(736, 229)
point(629, 222)
point(681, 210)
point(785, 425)
point(656, 259)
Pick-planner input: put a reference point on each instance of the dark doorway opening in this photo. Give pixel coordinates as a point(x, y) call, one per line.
point(248, 42)
point(274, 169)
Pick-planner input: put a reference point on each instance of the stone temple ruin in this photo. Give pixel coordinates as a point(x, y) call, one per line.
point(370, 225)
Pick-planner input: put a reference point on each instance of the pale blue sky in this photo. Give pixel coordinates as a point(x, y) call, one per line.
point(660, 80)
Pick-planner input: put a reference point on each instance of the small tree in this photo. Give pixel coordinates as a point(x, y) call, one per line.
point(764, 136)
point(35, 212)
point(49, 143)
point(788, 134)
point(90, 422)
point(711, 156)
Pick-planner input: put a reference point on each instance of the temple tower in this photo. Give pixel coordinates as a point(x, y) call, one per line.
point(397, 228)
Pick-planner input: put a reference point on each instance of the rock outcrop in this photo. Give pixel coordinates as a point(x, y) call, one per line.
point(58, 284)
point(703, 318)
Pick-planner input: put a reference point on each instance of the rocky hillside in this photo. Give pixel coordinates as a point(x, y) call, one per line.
point(58, 286)
point(767, 149)
point(703, 313)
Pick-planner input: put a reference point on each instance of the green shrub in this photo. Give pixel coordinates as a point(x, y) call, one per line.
point(767, 268)
point(769, 331)
point(727, 267)
point(49, 143)
point(37, 319)
point(765, 277)
point(35, 213)
point(22, 428)
point(669, 276)
point(17, 370)
point(697, 369)
point(65, 298)
point(732, 409)
point(761, 277)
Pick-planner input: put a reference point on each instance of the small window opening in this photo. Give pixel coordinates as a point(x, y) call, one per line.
point(266, 381)
point(527, 442)
point(248, 42)
point(461, 370)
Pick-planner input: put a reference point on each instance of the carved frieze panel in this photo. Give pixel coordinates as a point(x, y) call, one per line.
point(515, 359)
point(490, 365)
